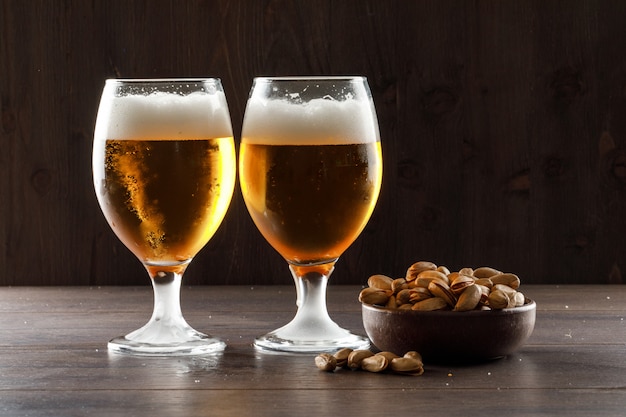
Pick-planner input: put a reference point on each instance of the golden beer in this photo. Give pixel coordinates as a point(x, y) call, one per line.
point(164, 169)
point(165, 198)
point(310, 202)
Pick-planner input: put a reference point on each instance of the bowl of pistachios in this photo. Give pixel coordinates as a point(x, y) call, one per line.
point(469, 315)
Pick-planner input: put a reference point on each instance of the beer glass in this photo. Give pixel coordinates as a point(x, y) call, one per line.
point(310, 169)
point(164, 171)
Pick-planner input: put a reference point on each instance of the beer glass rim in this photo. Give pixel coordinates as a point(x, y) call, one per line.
point(312, 78)
point(161, 80)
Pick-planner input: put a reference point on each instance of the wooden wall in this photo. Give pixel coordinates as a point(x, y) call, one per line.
point(503, 125)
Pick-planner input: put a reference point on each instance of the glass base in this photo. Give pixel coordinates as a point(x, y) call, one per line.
point(166, 333)
point(282, 341)
point(199, 345)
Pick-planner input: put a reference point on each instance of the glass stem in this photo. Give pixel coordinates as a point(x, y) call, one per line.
point(312, 329)
point(311, 295)
point(167, 324)
point(167, 308)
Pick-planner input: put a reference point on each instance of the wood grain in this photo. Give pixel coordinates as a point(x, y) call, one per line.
point(53, 359)
point(502, 123)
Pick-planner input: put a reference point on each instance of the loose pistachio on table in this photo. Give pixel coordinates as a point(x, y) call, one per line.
point(366, 360)
point(428, 287)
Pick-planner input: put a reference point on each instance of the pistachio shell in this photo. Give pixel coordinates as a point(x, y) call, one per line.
point(460, 283)
point(498, 299)
point(485, 272)
point(413, 354)
point(485, 282)
point(388, 355)
point(431, 304)
point(371, 295)
point(379, 281)
point(342, 356)
point(519, 299)
point(443, 270)
point(407, 366)
point(467, 271)
point(419, 294)
point(508, 279)
point(356, 357)
point(484, 296)
point(440, 289)
point(418, 267)
point(505, 288)
point(326, 362)
point(391, 303)
point(403, 297)
point(398, 284)
point(375, 363)
point(469, 299)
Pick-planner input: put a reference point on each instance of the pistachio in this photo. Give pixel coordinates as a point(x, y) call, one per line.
point(403, 297)
point(485, 282)
point(375, 363)
point(381, 282)
point(356, 357)
point(460, 283)
point(371, 295)
point(443, 270)
point(413, 354)
point(326, 362)
point(466, 271)
point(388, 355)
point(391, 302)
point(430, 304)
point(418, 267)
point(452, 276)
point(508, 279)
point(505, 288)
point(418, 294)
point(342, 356)
point(484, 296)
point(407, 366)
point(519, 299)
point(498, 299)
point(469, 299)
point(425, 277)
point(485, 272)
point(405, 307)
point(440, 289)
point(398, 284)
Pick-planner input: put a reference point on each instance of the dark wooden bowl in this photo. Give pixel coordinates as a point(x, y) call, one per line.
point(449, 336)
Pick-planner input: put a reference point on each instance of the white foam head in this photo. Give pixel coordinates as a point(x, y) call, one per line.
point(316, 122)
point(163, 116)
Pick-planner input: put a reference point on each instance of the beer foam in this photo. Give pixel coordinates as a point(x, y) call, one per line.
point(317, 122)
point(163, 116)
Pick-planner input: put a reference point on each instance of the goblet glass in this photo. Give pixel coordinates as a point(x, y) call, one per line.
point(310, 169)
point(164, 169)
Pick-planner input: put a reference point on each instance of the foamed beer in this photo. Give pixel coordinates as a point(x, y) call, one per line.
point(310, 186)
point(164, 173)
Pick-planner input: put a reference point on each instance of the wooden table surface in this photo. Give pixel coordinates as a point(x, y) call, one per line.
point(54, 361)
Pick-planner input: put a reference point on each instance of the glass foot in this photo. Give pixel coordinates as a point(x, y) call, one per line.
point(287, 339)
point(201, 345)
point(166, 333)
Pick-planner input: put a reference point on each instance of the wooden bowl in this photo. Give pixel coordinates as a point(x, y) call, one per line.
point(449, 336)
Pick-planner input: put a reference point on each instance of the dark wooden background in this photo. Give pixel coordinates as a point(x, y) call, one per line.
point(503, 125)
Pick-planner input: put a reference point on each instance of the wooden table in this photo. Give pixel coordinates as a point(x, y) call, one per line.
point(54, 361)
